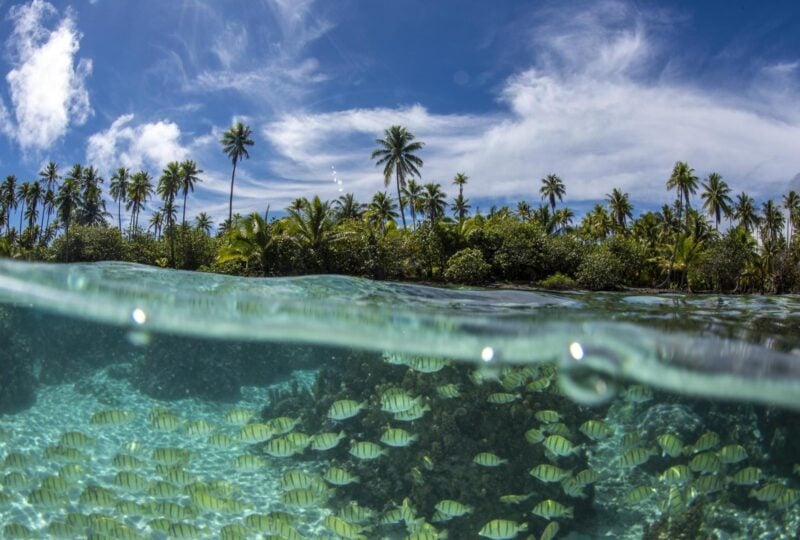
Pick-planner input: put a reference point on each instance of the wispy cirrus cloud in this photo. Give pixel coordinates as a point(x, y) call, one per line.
point(47, 83)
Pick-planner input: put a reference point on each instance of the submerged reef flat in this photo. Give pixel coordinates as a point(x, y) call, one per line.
point(392, 446)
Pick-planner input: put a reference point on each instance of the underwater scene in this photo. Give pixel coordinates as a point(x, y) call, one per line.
point(145, 403)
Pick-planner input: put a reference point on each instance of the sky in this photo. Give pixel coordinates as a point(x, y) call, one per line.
point(604, 93)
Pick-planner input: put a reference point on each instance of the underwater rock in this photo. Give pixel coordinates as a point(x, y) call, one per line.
point(674, 418)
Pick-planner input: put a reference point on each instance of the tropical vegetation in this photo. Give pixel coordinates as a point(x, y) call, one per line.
point(705, 239)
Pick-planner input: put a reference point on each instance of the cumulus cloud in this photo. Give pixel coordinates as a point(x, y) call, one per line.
point(123, 144)
point(583, 109)
point(47, 84)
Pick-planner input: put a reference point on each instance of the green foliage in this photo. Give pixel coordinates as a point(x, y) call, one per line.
point(558, 282)
point(193, 248)
point(564, 254)
point(467, 266)
point(144, 249)
point(723, 262)
point(90, 244)
point(600, 270)
point(354, 250)
point(521, 255)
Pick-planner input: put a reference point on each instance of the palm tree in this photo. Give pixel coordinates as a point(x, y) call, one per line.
point(545, 218)
point(203, 222)
point(621, 207)
point(8, 198)
point(49, 206)
point(744, 212)
point(312, 224)
point(771, 222)
point(460, 207)
point(716, 197)
point(67, 203)
point(248, 240)
point(552, 188)
point(234, 144)
point(791, 201)
point(348, 208)
point(684, 181)
point(49, 175)
point(459, 180)
point(381, 209)
point(92, 210)
point(396, 153)
point(140, 190)
point(169, 184)
point(22, 196)
point(35, 194)
point(156, 222)
point(433, 202)
point(118, 188)
point(412, 193)
point(524, 211)
point(563, 219)
point(190, 175)
point(598, 224)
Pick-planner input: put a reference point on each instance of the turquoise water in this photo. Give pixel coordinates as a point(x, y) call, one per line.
point(143, 403)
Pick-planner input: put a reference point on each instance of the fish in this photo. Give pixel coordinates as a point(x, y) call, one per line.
point(427, 364)
point(514, 499)
point(596, 430)
point(296, 479)
point(338, 476)
point(131, 481)
point(254, 433)
point(448, 391)
point(538, 385)
point(75, 439)
point(282, 425)
point(398, 438)
point(548, 473)
point(161, 488)
point(72, 472)
point(15, 480)
point(675, 502)
point(248, 462)
point(366, 450)
point(176, 475)
point(749, 476)
point(185, 531)
point(451, 508)
point(677, 475)
point(550, 509)
point(164, 420)
point(326, 441)
point(547, 416)
point(670, 445)
point(171, 456)
point(345, 408)
point(207, 502)
point(46, 498)
point(488, 459)
point(220, 440)
point(705, 462)
point(414, 413)
point(560, 446)
point(706, 441)
point(238, 417)
point(635, 457)
point(572, 488)
point(17, 530)
point(65, 454)
point(299, 440)
point(708, 483)
point(127, 461)
point(534, 436)
point(631, 440)
point(502, 398)
point(280, 448)
point(234, 531)
point(343, 529)
point(355, 513)
point(768, 493)
point(639, 494)
point(302, 498)
point(502, 529)
point(550, 532)
point(786, 499)
point(199, 428)
point(732, 453)
point(586, 477)
point(174, 511)
point(112, 417)
point(398, 401)
point(94, 495)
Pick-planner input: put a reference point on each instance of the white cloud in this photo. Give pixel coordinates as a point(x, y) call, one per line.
point(149, 145)
point(46, 84)
point(584, 110)
point(230, 44)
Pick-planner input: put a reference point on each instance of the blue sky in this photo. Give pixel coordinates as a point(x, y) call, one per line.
point(604, 93)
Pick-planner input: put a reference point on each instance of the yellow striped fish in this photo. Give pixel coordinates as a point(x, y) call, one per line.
point(452, 508)
point(345, 408)
point(548, 473)
point(248, 462)
point(488, 459)
point(560, 446)
point(769, 492)
point(254, 433)
point(502, 398)
point(343, 529)
point(366, 450)
point(749, 476)
point(339, 477)
point(706, 462)
point(502, 529)
point(550, 509)
point(326, 441)
point(280, 448)
point(596, 430)
point(732, 453)
point(111, 418)
point(75, 439)
point(199, 428)
point(397, 401)
point(131, 481)
point(670, 445)
point(635, 457)
point(238, 417)
point(448, 391)
point(397, 438)
point(282, 425)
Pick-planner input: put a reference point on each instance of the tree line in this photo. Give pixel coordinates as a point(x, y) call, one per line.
point(412, 230)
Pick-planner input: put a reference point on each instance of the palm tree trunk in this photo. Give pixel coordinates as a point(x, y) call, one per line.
point(400, 198)
point(119, 214)
point(230, 201)
point(21, 213)
point(183, 221)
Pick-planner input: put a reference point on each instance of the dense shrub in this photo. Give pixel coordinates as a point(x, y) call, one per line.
point(89, 244)
point(564, 254)
point(521, 255)
point(722, 263)
point(354, 250)
point(144, 249)
point(468, 267)
point(600, 270)
point(558, 282)
point(193, 249)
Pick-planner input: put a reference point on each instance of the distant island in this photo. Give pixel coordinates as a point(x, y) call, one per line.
point(412, 231)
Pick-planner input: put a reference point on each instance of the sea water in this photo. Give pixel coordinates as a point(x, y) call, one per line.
point(668, 416)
